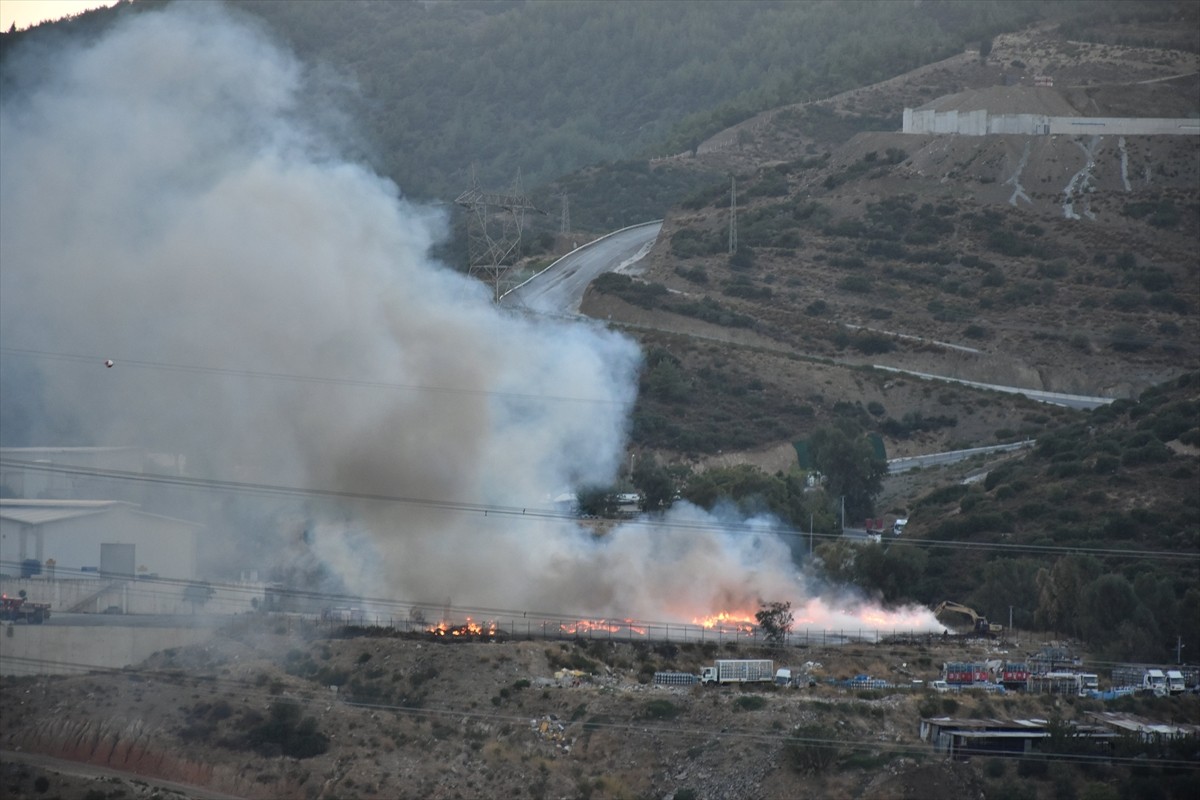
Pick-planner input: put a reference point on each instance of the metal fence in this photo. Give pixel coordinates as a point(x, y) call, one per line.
point(528, 627)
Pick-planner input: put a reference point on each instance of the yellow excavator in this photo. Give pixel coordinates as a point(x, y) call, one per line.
point(981, 626)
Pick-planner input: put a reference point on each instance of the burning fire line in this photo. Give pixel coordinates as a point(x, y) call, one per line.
point(604, 625)
point(727, 621)
point(469, 629)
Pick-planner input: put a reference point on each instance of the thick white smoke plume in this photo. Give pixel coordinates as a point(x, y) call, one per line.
point(273, 315)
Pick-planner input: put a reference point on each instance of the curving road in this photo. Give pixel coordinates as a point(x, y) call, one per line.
point(559, 288)
point(898, 465)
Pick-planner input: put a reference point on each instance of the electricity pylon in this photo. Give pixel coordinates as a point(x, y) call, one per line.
point(494, 230)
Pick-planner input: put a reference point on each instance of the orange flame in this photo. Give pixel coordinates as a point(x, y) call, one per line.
point(728, 620)
point(604, 625)
point(467, 629)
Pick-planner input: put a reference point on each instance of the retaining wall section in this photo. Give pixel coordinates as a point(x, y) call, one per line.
point(70, 649)
point(981, 123)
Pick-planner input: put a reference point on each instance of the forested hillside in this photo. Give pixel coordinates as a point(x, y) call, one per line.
point(544, 88)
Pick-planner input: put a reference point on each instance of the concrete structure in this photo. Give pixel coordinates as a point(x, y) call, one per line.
point(139, 596)
point(65, 473)
point(69, 649)
point(981, 123)
point(963, 738)
point(93, 538)
point(1142, 727)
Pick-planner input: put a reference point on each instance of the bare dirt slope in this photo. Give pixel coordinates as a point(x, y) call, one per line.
point(418, 719)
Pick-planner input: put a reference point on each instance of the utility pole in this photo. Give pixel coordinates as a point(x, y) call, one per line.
point(1010, 620)
point(810, 535)
point(564, 226)
point(732, 214)
point(1178, 649)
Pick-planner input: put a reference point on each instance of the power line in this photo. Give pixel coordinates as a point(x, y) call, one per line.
point(281, 376)
point(534, 512)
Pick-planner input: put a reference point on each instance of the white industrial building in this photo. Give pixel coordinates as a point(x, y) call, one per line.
point(65, 539)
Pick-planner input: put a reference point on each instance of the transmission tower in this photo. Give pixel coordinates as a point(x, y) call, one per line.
point(494, 230)
point(732, 214)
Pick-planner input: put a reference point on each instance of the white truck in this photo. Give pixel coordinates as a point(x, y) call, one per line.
point(1175, 682)
point(1088, 682)
point(739, 670)
point(1155, 681)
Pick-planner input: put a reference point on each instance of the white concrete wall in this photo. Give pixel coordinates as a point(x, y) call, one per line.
point(1125, 126)
point(63, 650)
point(134, 597)
point(980, 123)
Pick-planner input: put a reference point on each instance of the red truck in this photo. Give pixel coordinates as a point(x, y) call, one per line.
point(18, 608)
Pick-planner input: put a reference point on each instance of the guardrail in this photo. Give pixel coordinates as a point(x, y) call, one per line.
point(583, 246)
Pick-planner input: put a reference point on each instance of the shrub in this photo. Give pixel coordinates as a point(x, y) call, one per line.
point(811, 749)
point(660, 709)
point(749, 702)
point(1033, 768)
point(858, 284)
point(285, 733)
point(976, 332)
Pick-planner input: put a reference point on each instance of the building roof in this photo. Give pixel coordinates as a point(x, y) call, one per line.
point(52, 451)
point(40, 512)
point(1132, 723)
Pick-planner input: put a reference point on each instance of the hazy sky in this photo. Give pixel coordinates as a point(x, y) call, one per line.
point(30, 12)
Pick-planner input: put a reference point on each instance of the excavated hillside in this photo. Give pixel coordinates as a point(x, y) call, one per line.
point(1047, 262)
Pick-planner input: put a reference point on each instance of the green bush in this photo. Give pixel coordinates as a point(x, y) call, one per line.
point(660, 709)
point(284, 732)
point(749, 702)
point(858, 284)
point(812, 749)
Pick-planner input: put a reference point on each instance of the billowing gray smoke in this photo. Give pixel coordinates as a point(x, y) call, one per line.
point(273, 315)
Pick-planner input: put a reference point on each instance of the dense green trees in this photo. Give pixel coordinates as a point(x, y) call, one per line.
point(852, 470)
point(548, 87)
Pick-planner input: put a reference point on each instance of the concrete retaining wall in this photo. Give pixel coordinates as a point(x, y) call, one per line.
point(980, 123)
point(141, 596)
point(65, 650)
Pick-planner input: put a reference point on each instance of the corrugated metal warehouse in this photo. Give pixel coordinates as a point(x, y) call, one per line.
point(64, 539)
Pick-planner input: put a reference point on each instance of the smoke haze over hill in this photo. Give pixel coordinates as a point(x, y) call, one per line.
point(273, 315)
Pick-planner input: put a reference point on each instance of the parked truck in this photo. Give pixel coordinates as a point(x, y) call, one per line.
point(1175, 682)
point(18, 608)
point(739, 670)
point(1153, 680)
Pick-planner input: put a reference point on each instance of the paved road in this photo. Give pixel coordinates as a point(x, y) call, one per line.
point(1054, 398)
point(896, 465)
point(559, 288)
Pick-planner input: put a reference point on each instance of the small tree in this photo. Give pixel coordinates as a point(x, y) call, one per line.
point(775, 619)
point(655, 484)
point(812, 749)
point(597, 501)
